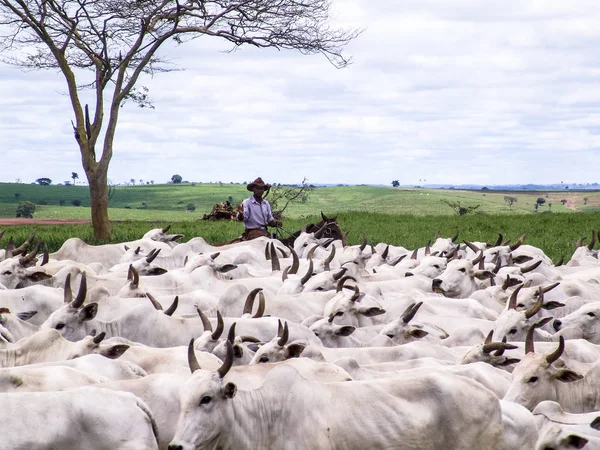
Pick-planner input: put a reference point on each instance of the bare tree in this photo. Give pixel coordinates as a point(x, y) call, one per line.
point(281, 196)
point(118, 40)
point(510, 200)
point(460, 209)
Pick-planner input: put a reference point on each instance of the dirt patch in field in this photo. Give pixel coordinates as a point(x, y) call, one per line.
point(22, 221)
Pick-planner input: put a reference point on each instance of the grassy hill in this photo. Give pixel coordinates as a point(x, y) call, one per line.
point(169, 201)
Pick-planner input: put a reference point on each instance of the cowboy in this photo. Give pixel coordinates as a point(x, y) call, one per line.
point(256, 212)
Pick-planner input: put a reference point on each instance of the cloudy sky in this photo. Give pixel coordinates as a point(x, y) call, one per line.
point(447, 91)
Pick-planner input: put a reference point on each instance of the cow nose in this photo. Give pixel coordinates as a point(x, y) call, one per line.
point(437, 282)
point(175, 447)
point(556, 324)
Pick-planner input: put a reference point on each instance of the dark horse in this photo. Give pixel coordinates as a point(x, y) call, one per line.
point(327, 228)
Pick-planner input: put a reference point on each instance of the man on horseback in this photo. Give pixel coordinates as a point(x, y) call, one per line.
point(256, 212)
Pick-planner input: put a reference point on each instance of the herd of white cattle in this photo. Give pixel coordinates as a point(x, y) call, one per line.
point(158, 344)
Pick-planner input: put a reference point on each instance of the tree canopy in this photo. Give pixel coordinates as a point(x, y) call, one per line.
point(105, 45)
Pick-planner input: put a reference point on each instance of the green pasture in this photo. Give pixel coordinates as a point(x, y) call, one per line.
point(556, 234)
point(407, 217)
point(169, 201)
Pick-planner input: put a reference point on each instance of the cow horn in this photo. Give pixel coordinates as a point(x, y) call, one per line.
point(340, 274)
point(171, 309)
point(329, 258)
point(414, 254)
point(506, 283)
point(167, 228)
point(295, 262)
point(324, 217)
point(28, 258)
point(308, 274)
point(529, 347)
point(498, 346)
point(517, 244)
point(133, 276)
point(428, 248)
point(220, 326)
point(538, 305)
point(481, 264)
point(319, 233)
point(410, 312)
point(46, 257)
point(488, 338)
point(279, 328)
point(512, 302)
point(205, 322)
point(68, 292)
point(356, 294)
point(154, 302)
point(478, 258)
point(284, 275)
point(592, 242)
point(498, 265)
point(150, 256)
point(558, 352)
point(192, 360)
point(222, 371)
point(397, 260)
point(579, 242)
point(274, 259)
point(364, 242)
point(549, 288)
point(311, 252)
point(499, 240)
point(342, 280)
point(249, 304)
point(10, 247)
point(472, 246)
point(386, 252)
point(136, 251)
point(455, 237)
point(261, 306)
point(531, 267)
point(285, 335)
point(246, 338)
point(268, 252)
point(492, 282)
point(231, 334)
point(215, 255)
point(22, 248)
point(82, 292)
point(2, 234)
point(99, 338)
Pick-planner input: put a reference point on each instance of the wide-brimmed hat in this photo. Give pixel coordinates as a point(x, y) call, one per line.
point(258, 183)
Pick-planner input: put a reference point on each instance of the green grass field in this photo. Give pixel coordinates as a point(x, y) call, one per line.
point(169, 201)
point(407, 217)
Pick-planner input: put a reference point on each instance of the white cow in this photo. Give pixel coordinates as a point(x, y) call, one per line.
point(324, 415)
point(86, 418)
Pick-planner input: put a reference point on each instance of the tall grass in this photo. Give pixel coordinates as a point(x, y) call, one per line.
point(555, 234)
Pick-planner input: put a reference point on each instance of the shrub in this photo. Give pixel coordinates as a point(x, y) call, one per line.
point(26, 209)
point(42, 202)
point(76, 202)
point(190, 207)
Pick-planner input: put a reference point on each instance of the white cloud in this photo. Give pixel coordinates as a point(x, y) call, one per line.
point(452, 91)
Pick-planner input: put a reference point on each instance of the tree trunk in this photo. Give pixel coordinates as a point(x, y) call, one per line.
point(98, 182)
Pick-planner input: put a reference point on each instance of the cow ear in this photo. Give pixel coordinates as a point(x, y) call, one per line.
point(114, 351)
point(346, 330)
point(229, 390)
point(371, 312)
point(543, 322)
point(293, 351)
point(419, 334)
point(483, 274)
point(88, 312)
point(595, 424)
point(238, 351)
point(521, 259)
point(508, 362)
point(156, 271)
point(26, 315)
point(226, 268)
point(575, 441)
point(254, 346)
point(552, 305)
point(567, 375)
point(38, 276)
